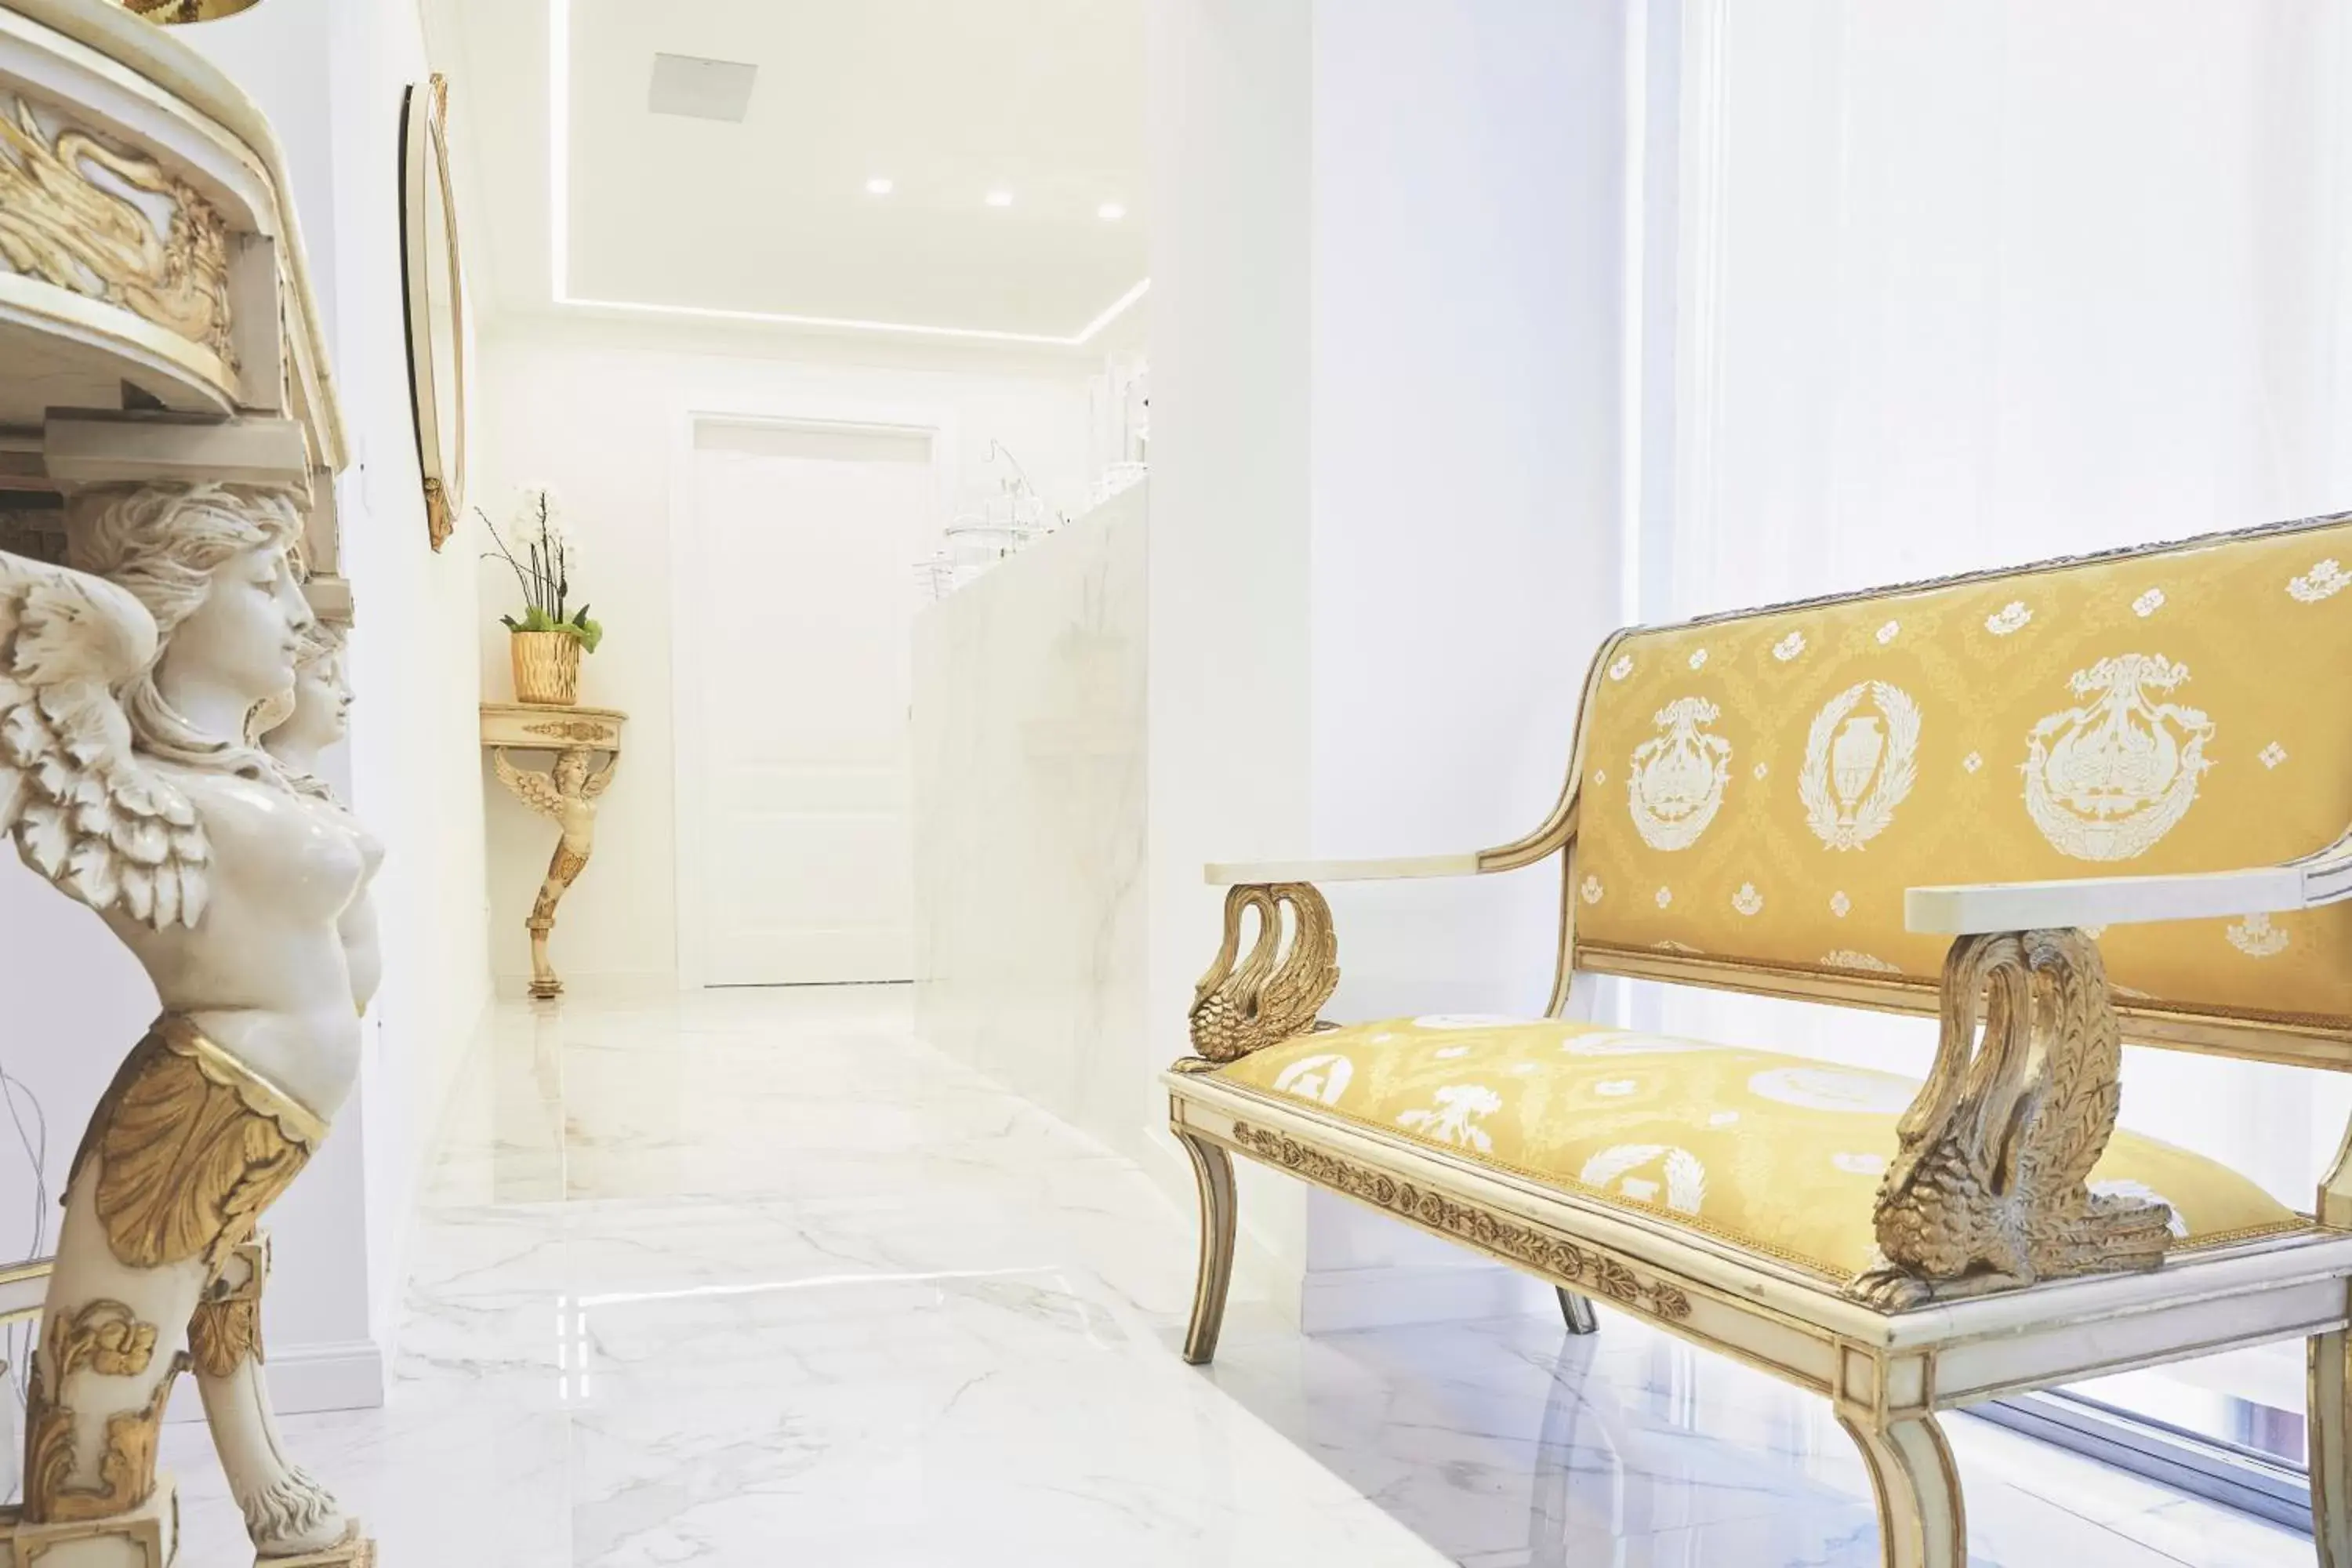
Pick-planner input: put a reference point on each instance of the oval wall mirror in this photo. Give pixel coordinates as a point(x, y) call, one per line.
point(437, 304)
point(172, 13)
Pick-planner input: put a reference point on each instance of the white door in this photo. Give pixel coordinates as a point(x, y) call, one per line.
point(799, 610)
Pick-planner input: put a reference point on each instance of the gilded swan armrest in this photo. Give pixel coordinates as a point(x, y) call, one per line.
point(1990, 1187)
point(1269, 983)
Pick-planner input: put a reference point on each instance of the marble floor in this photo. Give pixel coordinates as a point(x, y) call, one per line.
point(751, 1277)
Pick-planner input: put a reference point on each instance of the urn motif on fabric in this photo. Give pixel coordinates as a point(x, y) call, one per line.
point(1861, 757)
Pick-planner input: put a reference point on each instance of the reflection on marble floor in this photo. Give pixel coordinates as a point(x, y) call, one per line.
point(750, 1278)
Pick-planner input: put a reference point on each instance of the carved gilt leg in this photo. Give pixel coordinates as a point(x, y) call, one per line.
point(2330, 1456)
point(286, 1511)
point(1213, 1169)
point(561, 871)
point(1921, 1522)
point(112, 1342)
point(1577, 1312)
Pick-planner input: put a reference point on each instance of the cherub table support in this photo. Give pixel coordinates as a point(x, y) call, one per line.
point(128, 779)
point(566, 793)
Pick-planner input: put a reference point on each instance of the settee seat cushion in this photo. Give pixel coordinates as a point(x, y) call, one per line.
point(1779, 1154)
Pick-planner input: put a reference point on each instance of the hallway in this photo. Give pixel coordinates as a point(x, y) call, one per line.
point(751, 1276)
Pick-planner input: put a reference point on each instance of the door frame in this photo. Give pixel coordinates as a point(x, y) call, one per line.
point(689, 746)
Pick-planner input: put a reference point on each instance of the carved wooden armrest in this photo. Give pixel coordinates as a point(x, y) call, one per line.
point(1989, 1187)
point(1983, 906)
point(1247, 1000)
point(1243, 873)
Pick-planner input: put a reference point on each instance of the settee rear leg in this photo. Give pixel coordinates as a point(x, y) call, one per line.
point(2330, 1457)
point(1921, 1522)
point(1577, 1310)
point(1213, 1169)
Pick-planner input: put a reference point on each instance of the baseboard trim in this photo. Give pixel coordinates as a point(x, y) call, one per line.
point(307, 1379)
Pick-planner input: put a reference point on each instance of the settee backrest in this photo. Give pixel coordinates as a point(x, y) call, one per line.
point(1756, 791)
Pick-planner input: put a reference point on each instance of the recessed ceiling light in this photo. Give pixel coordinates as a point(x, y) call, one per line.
point(1000, 198)
point(878, 187)
point(1110, 212)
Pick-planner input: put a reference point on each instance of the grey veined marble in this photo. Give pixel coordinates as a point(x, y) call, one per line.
point(756, 1278)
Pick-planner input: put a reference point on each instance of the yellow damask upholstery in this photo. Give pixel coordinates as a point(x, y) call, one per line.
point(1777, 1154)
point(1762, 788)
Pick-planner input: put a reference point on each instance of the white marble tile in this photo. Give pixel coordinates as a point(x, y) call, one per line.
point(886, 1314)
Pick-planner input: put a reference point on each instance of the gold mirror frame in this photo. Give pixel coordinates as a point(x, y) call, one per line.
point(439, 412)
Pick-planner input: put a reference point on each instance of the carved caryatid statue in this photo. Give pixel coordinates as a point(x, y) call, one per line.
point(127, 779)
point(567, 795)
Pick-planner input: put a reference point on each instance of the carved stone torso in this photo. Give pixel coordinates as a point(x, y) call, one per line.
point(268, 971)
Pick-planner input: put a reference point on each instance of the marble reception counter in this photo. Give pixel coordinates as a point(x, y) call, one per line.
point(1028, 749)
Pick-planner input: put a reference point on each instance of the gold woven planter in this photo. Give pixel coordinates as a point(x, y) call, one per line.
point(546, 666)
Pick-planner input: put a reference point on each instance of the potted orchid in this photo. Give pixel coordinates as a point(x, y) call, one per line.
point(546, 641)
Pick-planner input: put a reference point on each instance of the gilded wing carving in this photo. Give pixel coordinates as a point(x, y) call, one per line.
point(536, 791)
point(599, 781)
point(1277, 990)
point(86, 810)
point(1990, 1188)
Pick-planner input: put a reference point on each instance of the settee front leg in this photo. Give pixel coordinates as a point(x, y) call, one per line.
point(1213, 1169)
point(1577, 1312)
point(1921, 1522)
point(2330, 1457)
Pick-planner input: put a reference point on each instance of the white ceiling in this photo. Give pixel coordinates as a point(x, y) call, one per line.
point(949, 100)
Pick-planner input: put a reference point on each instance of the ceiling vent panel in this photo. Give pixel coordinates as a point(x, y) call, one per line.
point(697, 88)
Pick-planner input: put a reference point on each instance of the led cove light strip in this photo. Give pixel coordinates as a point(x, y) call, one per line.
point(559, 213)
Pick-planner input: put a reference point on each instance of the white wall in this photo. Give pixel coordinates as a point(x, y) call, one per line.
point(595, 411)
point(331, 77)
point(1227, 715)
point(1968, 286)
point(1468, 200)
point(1387, 287)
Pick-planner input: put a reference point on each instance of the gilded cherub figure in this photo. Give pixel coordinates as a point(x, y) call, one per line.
point(567, 795)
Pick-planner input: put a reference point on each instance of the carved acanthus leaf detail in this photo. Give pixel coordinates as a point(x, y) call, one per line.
point(572, 729)
point(65, 219)
point(225, 1329)
point(105, 1337)
point(1557, 1259)
point(1276, 990)
point(1990, 1189)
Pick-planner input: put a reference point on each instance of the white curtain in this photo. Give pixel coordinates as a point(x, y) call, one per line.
point(1960, 284)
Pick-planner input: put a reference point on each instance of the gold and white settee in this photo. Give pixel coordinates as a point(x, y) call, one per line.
point(2062, 807)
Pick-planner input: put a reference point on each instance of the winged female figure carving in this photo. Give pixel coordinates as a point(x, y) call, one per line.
point(567, 795)
point(127, 778)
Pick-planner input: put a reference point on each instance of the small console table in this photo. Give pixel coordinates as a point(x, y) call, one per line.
point(566, 792)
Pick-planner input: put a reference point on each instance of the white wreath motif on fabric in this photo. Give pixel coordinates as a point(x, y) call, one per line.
point(1850, 825)
point(2131, 759)
point(1678, 775)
